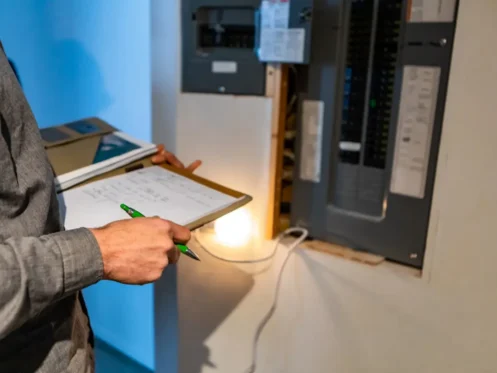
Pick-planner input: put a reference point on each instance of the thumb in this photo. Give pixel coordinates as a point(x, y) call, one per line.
point(192, 167)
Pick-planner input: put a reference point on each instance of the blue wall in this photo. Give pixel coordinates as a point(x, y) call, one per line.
point(80, 58)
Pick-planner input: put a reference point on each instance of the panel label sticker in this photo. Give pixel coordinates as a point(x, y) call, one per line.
point(414, 130)
point(312, 138)
point(224, 67)
point(431, 11)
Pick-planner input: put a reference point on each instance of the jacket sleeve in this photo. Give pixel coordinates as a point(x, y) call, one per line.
point(37, 271)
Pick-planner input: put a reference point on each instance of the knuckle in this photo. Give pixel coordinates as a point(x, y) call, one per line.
point(167, 225)
point(156, 221)
point(150, 223)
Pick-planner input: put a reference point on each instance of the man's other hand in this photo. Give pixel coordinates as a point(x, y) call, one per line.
point(137, 251)
point(163, 156)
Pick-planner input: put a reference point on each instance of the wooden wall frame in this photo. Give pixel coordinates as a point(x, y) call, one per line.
point(277, 88)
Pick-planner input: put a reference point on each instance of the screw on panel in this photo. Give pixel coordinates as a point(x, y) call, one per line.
point(222, 89)
point(442, 42)
point(305, 15)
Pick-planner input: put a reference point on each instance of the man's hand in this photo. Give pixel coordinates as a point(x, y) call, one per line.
point(137, 251)
point(163, 156)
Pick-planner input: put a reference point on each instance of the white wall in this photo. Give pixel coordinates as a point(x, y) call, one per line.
point(337, 316)
point(166, 70)
point(232, 136)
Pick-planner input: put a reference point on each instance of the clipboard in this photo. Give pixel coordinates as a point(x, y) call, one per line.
point(241, 198)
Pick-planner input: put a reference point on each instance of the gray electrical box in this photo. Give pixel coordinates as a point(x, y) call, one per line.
point(227, 43)
point(371, 111)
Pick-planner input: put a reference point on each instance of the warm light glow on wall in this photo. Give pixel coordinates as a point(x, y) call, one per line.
point(234, 229)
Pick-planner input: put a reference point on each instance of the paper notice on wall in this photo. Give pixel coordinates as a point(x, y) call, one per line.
point(275, 14)
point(278, 42)
point(432, 11)
point(282, 45)
point(414, 130)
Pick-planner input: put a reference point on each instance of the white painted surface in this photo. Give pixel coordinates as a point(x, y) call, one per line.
point(232, 136)
point(166, 69)
point(336, 316)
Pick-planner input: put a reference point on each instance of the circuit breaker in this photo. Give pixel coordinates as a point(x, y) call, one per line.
point(227, 43)
point(371, 113)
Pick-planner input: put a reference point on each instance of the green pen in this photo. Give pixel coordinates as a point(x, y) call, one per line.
point(182, 248)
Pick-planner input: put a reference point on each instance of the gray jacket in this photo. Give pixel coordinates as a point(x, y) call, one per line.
point(43, 327)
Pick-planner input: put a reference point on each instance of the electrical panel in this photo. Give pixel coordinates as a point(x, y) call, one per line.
point(227, 43)
point(371, 110)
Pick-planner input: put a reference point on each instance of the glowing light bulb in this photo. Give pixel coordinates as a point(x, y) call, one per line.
point(234, 229)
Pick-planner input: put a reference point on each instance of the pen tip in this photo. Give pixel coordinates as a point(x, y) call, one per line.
point(192, 255)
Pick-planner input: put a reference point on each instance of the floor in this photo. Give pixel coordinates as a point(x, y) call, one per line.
point(109, 359)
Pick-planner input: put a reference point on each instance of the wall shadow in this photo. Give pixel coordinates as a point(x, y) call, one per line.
point(69, 84)
point(77, 87)
point(208, 292)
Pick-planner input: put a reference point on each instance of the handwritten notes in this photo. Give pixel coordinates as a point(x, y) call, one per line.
point(153, 191)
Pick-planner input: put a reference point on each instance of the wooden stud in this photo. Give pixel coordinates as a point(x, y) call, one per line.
point(278, 122)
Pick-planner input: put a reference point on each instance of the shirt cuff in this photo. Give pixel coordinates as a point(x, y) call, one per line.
point(81, 258)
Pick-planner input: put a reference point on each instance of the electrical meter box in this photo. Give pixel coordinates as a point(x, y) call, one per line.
point(371, 112)
point(227, 43)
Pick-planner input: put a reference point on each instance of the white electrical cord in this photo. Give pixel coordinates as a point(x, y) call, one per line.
point(303, 235)
point(204, 246)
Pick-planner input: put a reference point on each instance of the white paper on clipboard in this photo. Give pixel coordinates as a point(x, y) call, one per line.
point(154, 190)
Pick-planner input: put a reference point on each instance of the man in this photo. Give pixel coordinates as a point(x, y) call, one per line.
point(43, 321)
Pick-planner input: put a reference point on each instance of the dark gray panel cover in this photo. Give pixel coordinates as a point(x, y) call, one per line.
point(352, 204)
